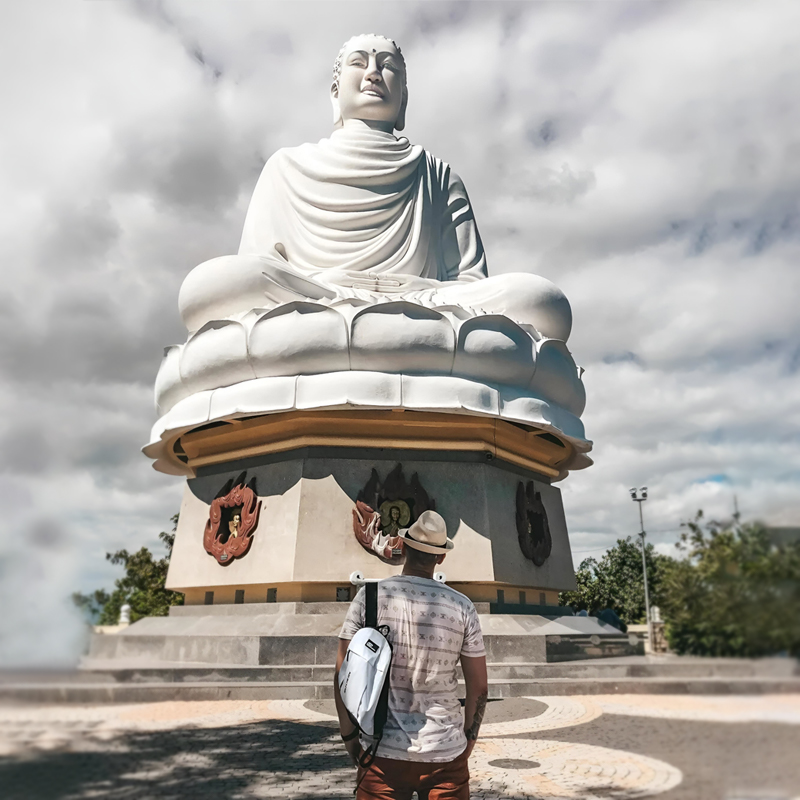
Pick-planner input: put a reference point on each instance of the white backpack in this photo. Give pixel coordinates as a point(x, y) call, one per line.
point(364, 676)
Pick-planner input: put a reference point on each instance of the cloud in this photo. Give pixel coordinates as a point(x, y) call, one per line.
point(644, 156)
point(38, 631)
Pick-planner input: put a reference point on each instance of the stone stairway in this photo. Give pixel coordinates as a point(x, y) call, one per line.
point(119, 681)
point(274, 634)
point(273, 651)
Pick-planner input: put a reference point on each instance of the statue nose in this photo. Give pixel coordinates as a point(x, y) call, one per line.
point(373, 74)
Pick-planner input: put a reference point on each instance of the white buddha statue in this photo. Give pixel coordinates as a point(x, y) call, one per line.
point(363, 217)
point(361, 282)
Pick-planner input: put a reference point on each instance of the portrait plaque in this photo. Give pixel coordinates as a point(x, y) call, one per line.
point(398, 503)
point(533, 527)
point(232, 520)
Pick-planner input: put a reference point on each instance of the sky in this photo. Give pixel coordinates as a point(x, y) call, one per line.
point(644, 156)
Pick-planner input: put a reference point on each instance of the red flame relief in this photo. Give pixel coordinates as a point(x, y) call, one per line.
point(232, 522)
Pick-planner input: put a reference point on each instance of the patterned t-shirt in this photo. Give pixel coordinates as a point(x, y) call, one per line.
point(430, 627)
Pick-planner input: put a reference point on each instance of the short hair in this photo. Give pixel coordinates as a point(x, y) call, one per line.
point(420, 558)
point(337, 65)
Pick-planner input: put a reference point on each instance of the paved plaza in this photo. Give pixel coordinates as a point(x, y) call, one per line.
point(603, 746)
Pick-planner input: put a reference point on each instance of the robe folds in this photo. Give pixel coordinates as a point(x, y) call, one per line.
point(362, 211)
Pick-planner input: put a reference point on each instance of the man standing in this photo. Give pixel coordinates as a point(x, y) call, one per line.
point(426, 742)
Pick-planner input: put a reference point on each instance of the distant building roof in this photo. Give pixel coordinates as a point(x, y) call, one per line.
point(783, 536)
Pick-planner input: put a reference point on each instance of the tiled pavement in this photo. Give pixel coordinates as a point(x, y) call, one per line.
point(615, 746)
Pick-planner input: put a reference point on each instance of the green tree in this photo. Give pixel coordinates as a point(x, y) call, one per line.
point(616, 581)
point(91, 604)
point(142, 586)
point(735, 594)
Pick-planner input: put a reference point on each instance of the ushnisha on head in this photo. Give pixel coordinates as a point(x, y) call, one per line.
point(369, 83)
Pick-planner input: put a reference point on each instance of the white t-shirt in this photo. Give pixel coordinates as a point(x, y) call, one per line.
point(430, 627)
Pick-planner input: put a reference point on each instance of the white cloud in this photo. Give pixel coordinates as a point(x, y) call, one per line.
point(645, 157)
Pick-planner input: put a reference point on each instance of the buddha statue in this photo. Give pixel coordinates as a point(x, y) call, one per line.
point(361, 282)
point(365, 216)
point(357, 327)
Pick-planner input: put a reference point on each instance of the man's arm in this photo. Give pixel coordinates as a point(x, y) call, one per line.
point(346, 727)
point(477, 685)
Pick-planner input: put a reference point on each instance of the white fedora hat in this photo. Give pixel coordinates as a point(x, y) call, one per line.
point(428, 533)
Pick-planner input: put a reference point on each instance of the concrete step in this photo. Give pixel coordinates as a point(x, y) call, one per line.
point(670, 667)
point(247, 639)
point(284, 674)
point(102, 692)
point(140, 692)
point(275, 650)
point(337, 609)
point(618, 668)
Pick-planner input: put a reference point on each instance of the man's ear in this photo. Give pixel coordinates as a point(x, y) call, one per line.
point(441, 558)
point(400, 123)
point(337, 112)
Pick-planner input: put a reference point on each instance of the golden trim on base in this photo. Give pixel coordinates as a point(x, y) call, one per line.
point(531, 448)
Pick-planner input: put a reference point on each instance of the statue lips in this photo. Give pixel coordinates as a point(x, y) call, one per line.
point(372, 92)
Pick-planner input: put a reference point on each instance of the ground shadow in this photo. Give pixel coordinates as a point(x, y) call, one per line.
point(247, 761)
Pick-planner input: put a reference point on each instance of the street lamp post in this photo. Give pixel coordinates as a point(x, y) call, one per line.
point(639, 496)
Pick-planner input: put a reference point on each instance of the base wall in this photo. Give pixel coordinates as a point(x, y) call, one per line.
point(304, 546)
point(327, 593)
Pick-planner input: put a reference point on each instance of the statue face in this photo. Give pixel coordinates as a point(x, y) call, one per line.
point(371, 82)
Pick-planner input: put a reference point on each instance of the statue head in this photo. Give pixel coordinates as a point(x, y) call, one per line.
point(369, 83)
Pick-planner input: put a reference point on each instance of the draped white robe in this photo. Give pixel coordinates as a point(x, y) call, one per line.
point(364, 217)
point(360, 214)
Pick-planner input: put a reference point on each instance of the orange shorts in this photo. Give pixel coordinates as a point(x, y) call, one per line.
point(390, 779)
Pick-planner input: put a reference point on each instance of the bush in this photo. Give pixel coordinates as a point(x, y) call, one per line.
point(142, 586)
point(736, 594)
point(615, 581)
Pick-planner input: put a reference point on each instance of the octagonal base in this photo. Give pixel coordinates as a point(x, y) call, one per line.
point(304, 547)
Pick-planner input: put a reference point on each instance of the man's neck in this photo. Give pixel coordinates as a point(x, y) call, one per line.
point(417, 573)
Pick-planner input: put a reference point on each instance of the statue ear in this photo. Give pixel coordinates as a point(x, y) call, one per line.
point(337, 113)
point(401, 116)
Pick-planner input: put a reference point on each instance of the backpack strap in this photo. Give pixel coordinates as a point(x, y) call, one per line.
point(371, 609)
point(371, 621)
